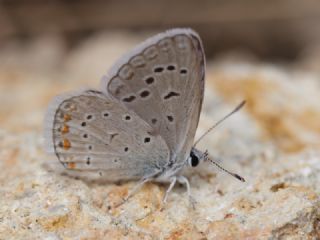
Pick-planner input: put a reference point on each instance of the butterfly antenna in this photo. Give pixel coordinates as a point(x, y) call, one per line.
point(237, 176)
point(220, 121)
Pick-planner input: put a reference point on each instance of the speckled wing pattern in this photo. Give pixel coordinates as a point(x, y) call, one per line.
point(162, 81)
point(96, 138)
point(144, 117)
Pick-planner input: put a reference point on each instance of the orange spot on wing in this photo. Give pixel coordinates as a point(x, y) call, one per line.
point(65, 129)
point(72, 165)
point(67, 117)
point(66, 144)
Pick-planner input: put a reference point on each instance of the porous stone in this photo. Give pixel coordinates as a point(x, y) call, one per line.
point(273, 143)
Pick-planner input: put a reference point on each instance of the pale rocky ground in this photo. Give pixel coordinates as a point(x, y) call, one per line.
point(273, 142)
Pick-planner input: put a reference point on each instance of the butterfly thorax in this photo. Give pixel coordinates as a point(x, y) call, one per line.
point(168, 171)
point(174, 168)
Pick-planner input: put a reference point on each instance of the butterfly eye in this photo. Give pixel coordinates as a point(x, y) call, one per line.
point(193, 160)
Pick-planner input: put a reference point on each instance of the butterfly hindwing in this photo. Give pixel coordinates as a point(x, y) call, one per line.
point(95, 137)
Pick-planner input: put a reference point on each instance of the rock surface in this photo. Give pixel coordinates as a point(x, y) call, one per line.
point(273, 142)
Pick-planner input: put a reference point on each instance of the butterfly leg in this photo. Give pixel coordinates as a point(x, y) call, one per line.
point(136, 188)
point(172, 183)
point(184, 180)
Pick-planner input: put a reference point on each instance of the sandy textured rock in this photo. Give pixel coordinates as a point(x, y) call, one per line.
point(273, 143)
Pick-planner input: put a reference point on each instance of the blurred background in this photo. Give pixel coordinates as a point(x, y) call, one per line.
point(49, 47)
point(283, 29)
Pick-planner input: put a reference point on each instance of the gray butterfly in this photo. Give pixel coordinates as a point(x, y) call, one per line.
point(142, 122)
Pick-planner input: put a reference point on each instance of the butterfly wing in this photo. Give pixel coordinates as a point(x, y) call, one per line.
point(162, 81)
point(97, 138)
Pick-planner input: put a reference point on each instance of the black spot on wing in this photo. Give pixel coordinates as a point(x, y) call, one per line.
point(171, 94)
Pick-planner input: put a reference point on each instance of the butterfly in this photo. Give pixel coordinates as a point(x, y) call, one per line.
point(141, 123)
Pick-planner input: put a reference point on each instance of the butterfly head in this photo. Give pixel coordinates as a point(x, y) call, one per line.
point(196, 157)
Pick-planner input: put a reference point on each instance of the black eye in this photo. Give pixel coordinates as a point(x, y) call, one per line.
point(194, 160)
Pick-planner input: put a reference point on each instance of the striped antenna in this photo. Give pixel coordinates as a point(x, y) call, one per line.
point(220, 121)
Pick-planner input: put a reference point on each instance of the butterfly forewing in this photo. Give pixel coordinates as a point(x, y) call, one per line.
point(162, 81)
point(97, 137)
